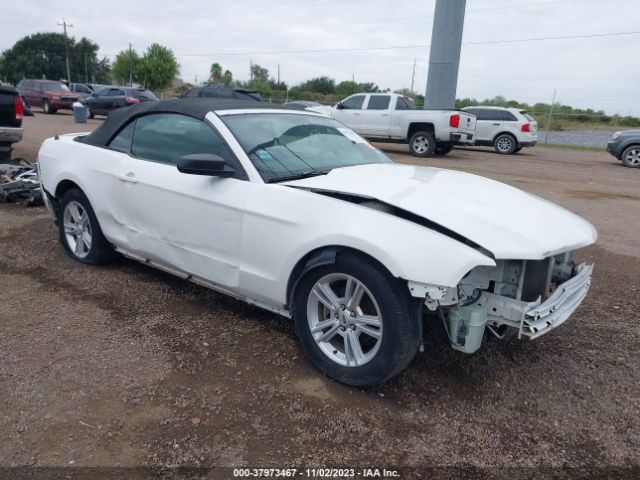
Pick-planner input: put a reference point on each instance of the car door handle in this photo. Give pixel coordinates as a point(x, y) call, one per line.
point(384, 114)
point(496, 124)
point(129, 177)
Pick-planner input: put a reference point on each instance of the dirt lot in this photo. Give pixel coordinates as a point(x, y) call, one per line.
point(127, 366)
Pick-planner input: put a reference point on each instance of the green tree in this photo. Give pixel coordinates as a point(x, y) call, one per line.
point(227, 78)
point(216, 73)
point(259, 74)
point(347, 87)
point(158, 67)
point(43, 55)
point(324, 85)
point(125, 68)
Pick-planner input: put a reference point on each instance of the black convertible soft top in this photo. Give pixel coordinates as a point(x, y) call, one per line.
point(192, 107)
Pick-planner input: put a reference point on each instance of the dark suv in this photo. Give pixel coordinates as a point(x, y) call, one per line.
point(48, 94)
point(625, 146)
point(217, 91)
point(110, 98)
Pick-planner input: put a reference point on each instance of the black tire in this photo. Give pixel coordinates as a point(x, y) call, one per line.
point(631, 156)
point(505, 144)
point(100, 250)
point(46, 107)
point(443, 149)
point(518, 149)
point(90, 113)
point(401, 327)
point(422, 144)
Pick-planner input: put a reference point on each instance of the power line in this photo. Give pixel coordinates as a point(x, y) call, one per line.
point(398, 47)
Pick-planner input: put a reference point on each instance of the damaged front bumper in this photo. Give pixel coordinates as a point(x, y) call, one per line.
point(504, 300)
point(559, 306)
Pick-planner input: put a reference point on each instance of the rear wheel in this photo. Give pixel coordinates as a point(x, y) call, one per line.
point(631, 157)
point(422, 144)
point(79, 231)
point(355, 321)
point(505, 144)
point(443, 149)
point(46, 107)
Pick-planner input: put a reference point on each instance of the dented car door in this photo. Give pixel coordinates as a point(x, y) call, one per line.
point(189, 223)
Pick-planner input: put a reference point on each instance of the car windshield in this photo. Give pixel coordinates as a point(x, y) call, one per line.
point(284, 146)
point(54, 86)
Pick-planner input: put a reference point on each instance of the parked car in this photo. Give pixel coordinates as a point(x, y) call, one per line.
point(625, 146)
point(301, 104)
point(108, 99)
point(507, 130)
point(50, 95)
point(392, 117)
point(296, 213)
point(83, 90)
point(96, 87)
point(11, 112)
point(218, 91)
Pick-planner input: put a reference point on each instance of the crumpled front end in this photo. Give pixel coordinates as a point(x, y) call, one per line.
point(527, 298)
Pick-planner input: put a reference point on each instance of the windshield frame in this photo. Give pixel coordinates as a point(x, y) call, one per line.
point(271, 176)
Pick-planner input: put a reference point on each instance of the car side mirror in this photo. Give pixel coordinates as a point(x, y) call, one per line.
point(205, 164)
point(339, 106)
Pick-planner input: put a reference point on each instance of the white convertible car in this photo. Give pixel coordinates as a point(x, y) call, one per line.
point(294, 212)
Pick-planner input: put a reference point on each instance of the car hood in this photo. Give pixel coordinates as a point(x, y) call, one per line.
point(509, 223)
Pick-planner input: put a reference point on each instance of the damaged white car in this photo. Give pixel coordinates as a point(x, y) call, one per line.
point(294, 212)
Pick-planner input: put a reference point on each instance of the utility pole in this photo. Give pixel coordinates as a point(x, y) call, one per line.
point(413, 75)
point(444, 57)
point(278, 74)
point(553, 101)
point(86, 72)
point(130, 66)
point(64, 26)
point(250, 71)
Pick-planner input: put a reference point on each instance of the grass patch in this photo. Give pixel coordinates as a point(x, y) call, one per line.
point(571, 147)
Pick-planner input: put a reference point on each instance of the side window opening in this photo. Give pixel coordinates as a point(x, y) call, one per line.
point(166, 137)
point(122, 141)
point(353, 103)
point(378, 102)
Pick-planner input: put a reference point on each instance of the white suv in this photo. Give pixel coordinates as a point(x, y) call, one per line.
point(507, 130)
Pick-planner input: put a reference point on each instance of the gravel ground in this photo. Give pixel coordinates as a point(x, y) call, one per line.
point(124, 366)
point(581, 138)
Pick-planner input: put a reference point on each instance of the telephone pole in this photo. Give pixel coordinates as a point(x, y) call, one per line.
point(278, 74)
point(413, 75)
point(64, 26)
point(444, 57)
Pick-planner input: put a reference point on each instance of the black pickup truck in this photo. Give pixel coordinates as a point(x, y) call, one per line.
point(11, 112)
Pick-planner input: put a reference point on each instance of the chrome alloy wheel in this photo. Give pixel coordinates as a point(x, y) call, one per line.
point(77, 229)
point(344, 319)
point(420, 144)
point(504, 144)
point(633, 156)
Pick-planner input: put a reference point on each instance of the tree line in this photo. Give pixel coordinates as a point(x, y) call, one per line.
point(43, 55)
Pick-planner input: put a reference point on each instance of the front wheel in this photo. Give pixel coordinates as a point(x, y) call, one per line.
point(46, 107)
point(422, 144)
point(631, 157)
point(355, 321)
point(505, 144)
point(90, 113)
point(80, 232)
point(443, 149)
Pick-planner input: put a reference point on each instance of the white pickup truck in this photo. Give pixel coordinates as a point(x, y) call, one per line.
point(394, 118)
